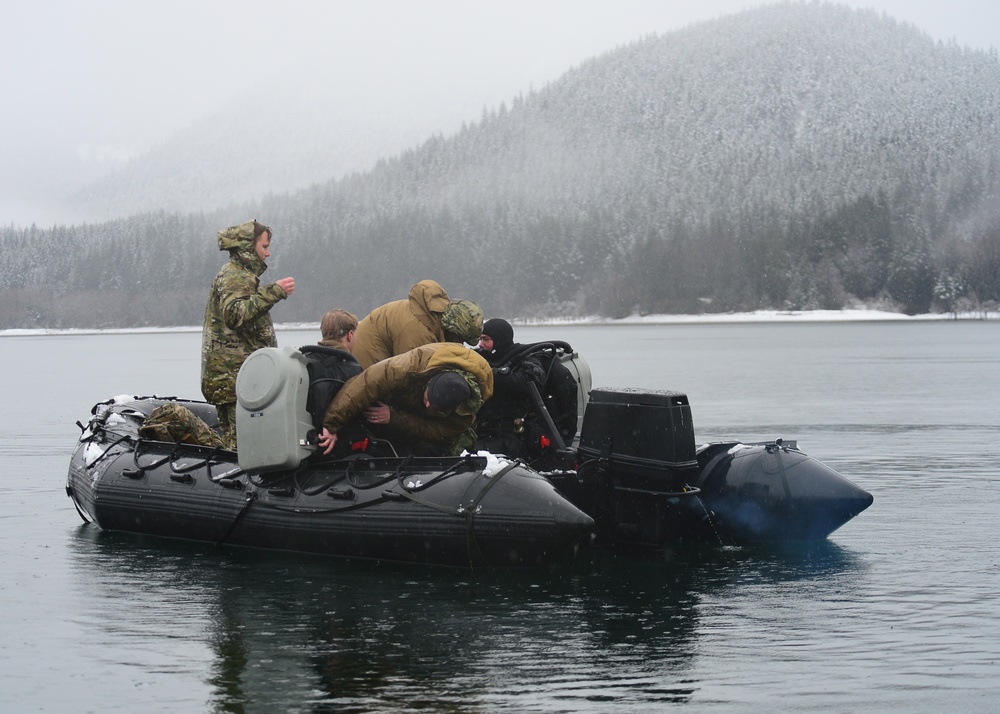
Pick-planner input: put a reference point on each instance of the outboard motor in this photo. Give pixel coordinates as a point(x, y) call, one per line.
point(637, 455)
point(274, 430)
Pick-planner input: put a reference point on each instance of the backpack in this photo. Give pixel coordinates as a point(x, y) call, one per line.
point(329, 368)
point(176, 423)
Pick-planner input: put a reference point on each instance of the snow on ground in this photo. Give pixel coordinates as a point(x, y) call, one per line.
point(729, 317)
point(763, 316)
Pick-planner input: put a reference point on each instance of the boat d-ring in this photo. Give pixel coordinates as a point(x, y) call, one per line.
point(776, 448)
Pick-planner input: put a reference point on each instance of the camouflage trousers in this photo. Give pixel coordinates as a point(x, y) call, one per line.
point(227, 424)
point(178, 424)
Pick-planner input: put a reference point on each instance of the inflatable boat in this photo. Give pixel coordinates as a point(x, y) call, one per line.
point(632, 478)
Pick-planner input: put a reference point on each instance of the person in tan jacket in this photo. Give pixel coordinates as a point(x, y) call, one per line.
point(428, 315)
point(423, 401)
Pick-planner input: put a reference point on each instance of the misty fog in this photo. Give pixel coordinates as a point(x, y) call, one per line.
point(113, 103)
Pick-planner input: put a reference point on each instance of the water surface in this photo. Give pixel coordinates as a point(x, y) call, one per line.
point(898, 611)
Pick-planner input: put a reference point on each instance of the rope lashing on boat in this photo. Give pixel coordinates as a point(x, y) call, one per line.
point(139, 471)
point(98, 425)
point(397, 476)
point(174, 457)
point(448, 472)
point(250, 498)
point(112, 445)
point(470, 535)
point(207, 462)
point(467, 513)
point(776, 449)
point(461, 511)
point(387, 495)
point(360, 487)
point(72, 497)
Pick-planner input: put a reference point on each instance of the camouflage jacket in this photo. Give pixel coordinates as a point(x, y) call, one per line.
point(237, 322)
point(175, 422)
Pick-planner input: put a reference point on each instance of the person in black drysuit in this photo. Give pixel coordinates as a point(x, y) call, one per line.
point(508, 422)
point(331, 363)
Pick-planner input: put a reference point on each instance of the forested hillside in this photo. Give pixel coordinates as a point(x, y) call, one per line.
point(791, 156)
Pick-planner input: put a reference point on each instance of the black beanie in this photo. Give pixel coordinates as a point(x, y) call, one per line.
point(446, 390)
point(501, 332)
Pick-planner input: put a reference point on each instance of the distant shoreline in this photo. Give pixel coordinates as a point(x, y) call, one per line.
point(796, 316)
point(787, 316)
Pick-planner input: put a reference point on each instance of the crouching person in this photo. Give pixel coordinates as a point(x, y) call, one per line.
point(424, 401)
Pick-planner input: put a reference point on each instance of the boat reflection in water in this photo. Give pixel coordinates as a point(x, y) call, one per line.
point(284, 629)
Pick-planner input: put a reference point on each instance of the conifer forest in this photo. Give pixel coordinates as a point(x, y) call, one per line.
point(787, 157)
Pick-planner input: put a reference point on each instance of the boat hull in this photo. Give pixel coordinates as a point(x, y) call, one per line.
point(773, 492)
point(637, 481)
point(734, 494)
point(455, 512)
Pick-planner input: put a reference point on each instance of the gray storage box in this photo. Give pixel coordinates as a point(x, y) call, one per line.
point(274, 430)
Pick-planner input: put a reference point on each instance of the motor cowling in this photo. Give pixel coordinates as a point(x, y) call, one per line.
point(637, 453)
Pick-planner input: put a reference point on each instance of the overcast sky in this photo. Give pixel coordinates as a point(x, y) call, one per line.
point(111, 77)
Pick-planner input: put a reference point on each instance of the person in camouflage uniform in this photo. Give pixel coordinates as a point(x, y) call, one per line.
point(176, 423)
point(237, 318)
point(424, 401)
point(428, 315)
point(461, 320)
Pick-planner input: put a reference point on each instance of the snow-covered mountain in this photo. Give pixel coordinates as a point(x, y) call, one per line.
point(794, 155)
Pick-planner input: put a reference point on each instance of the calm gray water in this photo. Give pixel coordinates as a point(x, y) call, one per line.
point(899, 611)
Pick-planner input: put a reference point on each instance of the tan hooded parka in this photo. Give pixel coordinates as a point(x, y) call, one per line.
point(399, 326)
point(400, 382)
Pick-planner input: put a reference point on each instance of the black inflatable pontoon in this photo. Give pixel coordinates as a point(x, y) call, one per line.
point(455, 511)
point(634, 479)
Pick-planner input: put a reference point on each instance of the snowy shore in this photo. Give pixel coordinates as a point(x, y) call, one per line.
point(765, 316)
point(811, 316)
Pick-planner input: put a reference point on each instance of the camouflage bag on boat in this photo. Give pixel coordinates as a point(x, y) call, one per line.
point(178, 424)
